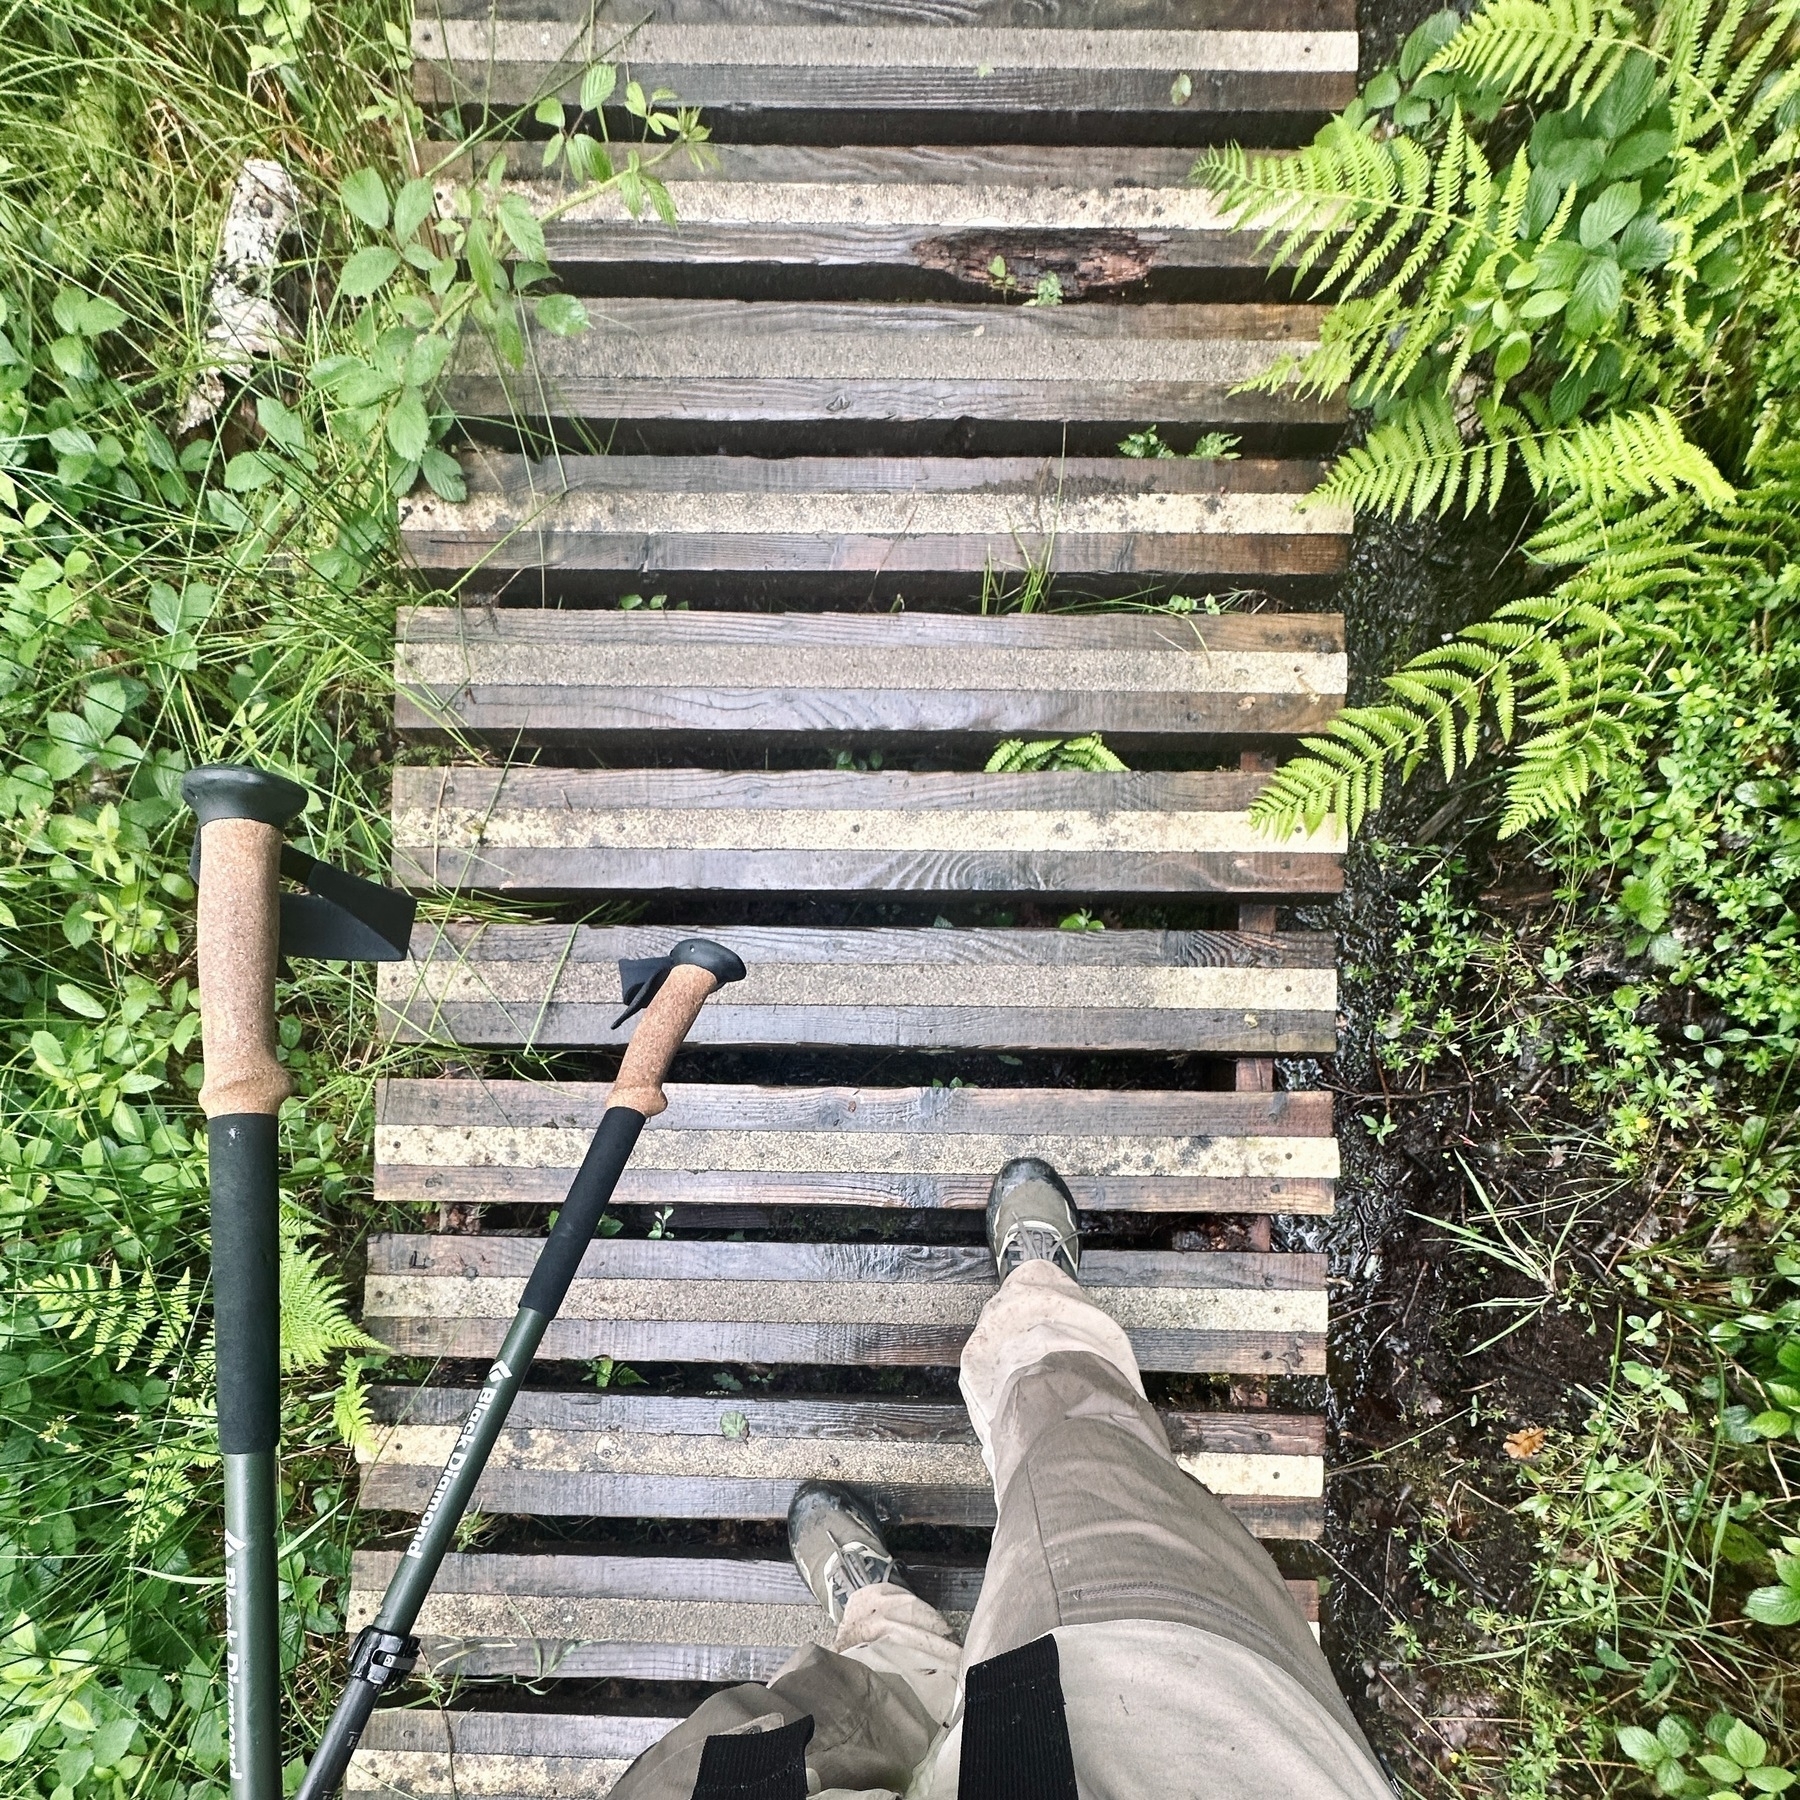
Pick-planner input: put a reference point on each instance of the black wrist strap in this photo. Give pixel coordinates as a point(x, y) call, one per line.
point(1015, 1734)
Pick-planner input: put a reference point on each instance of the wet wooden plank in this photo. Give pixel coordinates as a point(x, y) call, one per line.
point(468, 1755)
point(1001, 63)
point(724, 361)
point(588, 1455)
point(474, 1142)
point(653, 516)
point(1103, 220)
point(549, 985)
point(646, 1618)
point(525, 830)
point(665, 1301)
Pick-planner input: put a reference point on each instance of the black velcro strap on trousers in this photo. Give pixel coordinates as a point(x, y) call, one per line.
point(1015, 1735)
point(756, 1765)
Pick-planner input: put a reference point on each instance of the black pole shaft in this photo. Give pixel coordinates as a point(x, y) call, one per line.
point(246, 1210)
point(384, 1651)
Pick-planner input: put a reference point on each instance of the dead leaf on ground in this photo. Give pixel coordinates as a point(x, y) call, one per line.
point(1527, 1442)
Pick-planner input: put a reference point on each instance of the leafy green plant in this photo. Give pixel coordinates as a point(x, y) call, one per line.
point(1605, 310)
point(1023, 756)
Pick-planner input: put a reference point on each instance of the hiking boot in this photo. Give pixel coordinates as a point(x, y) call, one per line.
point(1031, 1218)
point(836, 1543)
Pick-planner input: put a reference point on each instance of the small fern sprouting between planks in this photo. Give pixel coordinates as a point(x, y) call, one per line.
point(1573, 320)
point(1021, 756)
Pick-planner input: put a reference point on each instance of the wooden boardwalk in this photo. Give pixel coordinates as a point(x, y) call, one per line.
point(846, 457)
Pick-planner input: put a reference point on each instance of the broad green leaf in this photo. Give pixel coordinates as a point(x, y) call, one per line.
point(409, 426)
point(282, 427)
point(521, 226)
point(549, 111)
point(1598, 290)
point(352, 382)
point(1770, 1781)
point(85, 315)
point(562, 314)
point(1747, 1748)
point(370, 268)
point(250, 470)
point(1642, 1746)
point(1772, 1424)
point(588, 160)
point(15, 1739)
point(1675, 1736)
point(1605, 216)
point(444, 474)
point(1512, 356)
point(79, 1000)
point(1641, 151)
point(1774, 1605)
point(112, 1741)
point(365, 196)
point(413, 207)
point(1426, 40)
point(597, 86)
point(1384, 90)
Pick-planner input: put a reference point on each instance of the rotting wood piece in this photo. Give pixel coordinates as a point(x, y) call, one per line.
point(476, 1142)
point(540, 829)
point(658, 1618)
point(1149, 66)
point(660, 1300)
point(1214, 991)
point(654, 516)
point(1100, 219)
point(800, 362)
point(588, 1455)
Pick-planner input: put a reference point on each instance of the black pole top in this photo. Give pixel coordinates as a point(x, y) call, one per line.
point(238, 791)
point(703, 953)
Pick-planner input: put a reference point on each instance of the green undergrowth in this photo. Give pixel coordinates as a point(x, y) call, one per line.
point(1560, 239)
point(171, 595)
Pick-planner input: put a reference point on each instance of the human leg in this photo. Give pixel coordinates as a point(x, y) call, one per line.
point(1097, 1521)
point(876, 1698)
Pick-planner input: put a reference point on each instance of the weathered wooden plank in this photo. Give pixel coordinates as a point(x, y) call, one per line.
point(465, 1755)
point(588, 1455)
point(648, 1618)
point(1045, 15)
point(662, 1301)
point(528, 829)
point(924, 516)
point(545, 985)
point(994, 66)
point(480, 1141)
point(722, 361)
point(1101, 219)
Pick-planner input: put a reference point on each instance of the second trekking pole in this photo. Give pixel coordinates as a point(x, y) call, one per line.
point(672, 989)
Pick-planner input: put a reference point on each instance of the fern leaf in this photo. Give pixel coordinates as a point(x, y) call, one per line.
point(1525, 48)
point(314, 1319)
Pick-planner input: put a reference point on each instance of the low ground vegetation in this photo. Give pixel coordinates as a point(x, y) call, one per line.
point(1561, 240)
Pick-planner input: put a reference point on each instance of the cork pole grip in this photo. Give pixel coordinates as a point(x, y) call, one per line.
point(240, 932)
point(665, 1023)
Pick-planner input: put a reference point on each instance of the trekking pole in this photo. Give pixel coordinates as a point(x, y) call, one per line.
point(672, 989)
point(246, 926)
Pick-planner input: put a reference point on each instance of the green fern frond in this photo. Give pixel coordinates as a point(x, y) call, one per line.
point(351, 1416)
point(116, 1319)
point(314, 1319)
point(1644, 454)
point(1528, 47)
